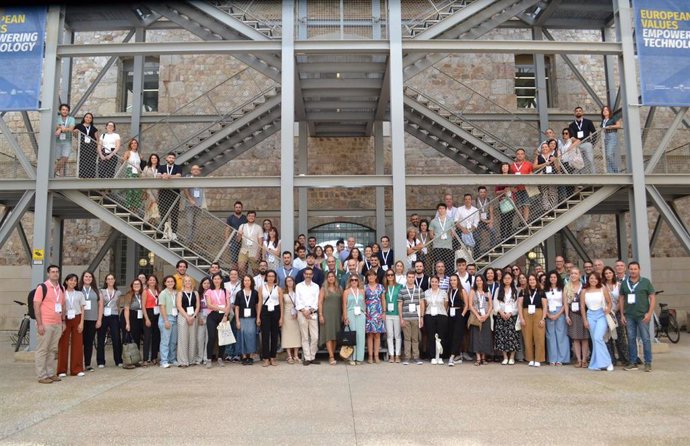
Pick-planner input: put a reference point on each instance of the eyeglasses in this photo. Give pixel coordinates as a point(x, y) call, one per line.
point(354, 280)
point(390, 275)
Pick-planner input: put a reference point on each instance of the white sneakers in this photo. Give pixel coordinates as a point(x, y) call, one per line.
point(531, 363)
point(433, 361)
point(511, 362)
point(537, 364)
point(505, 362)
point(62, 375)
point(450, 362)
point(609, 368)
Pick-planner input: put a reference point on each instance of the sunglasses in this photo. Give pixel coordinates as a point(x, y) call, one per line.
point(354, 280)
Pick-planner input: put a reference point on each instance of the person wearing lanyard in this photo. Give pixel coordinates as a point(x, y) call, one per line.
point(290, 338)
point(330, 313)
point(558, 345)
point(200, 356)
point(167, 198)
point(90, 316)
point(576, 327)
point(152, 335)
point(108, 146)
point(507, 338)
point(71, 344)
point(270, 317)
point(218, 306)
point(581, 128)
point(109, 321)
point(188, 307)
point(409, 300)
point(63, 138)
point(481, 307)
point(434, 307)
point(399, 270)
point(385, 255)
point(442, 231)
point(49, 300)
point(247, 305)
point(167, 322)
point(233, 286)
point(531, 305)
point(195, 205)
point(375, 317)
point(619, 344)
point(457, 310)
point(353, 316)
point(87, 135)
point(636, 306)
point(521, 167)
point(595, 306)
point(486, 236)
point(133, 314)
point(393, 317)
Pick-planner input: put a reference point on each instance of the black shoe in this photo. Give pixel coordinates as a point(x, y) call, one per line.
point(314, 361)
point(630, 367)
point(250, 361)
point(305, 362)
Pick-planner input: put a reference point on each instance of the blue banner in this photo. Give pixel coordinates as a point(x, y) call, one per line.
point(662, 30)
point(22, 35)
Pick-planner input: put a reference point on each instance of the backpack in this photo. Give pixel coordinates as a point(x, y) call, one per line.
point(30, 299)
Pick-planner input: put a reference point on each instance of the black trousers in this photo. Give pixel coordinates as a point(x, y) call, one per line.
point(152, 337)
point(109, 324)
point(166, 198)
point(269, 332)
point(456, 332)
point(212, 321)
point(435, 325)
point(136, 327)
point(89, 335)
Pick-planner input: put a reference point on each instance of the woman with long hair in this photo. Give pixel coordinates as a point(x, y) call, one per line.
point(108, 146)
point(610, 125)
point(531, 307)
point(131, 163)
point(109, 321)
point(247, 306)
point(290, 338)
point(620, 344)
point(577, 332)
point(596, 305)
point(200, 353)
point(354, 316)
point(132, 317)
point(272, 248)
point(506, 337)
point(425, 237)
point(393, 317)
point(375, 317)
point(218, 305)
point(87, 135)
point(558, 344)
point(188, 307)
point(458, 306)
point(152, 334)
point(270, 317)
point(90, 315)
point(356, 254)
point(434, 307)
point(480, 328)
point(71, 342)
point(151, 212)
point(330, 314)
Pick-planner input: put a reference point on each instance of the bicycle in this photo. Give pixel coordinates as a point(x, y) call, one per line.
point(22, 336)
point(666, 324)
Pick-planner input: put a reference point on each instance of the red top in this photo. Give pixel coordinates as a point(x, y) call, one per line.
point(524, 168)
point(151, 298)
point(54, 296)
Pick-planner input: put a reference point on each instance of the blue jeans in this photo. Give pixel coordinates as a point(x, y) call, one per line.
point(636, 327)
point(557, 342)
point(611, 149)
point(597, 330)
point(168, 340)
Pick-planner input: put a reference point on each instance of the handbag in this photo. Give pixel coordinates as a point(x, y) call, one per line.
point(473, 321)
point(225, 336)
point(613, 325)
point(130, 352)
point(468, 239)
point(532, 191)
point(347, 337)
point(506, 205)
point(518, 325)
point(346, 351)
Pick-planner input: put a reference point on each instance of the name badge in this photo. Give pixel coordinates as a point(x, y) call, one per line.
point(314, 316)
point(249, 242)
point(580, 134)
point(518, 173)
point(390, 308)
point(482, 312)
point(384, 267)
point(71, 314)
point(58, 308)
point(509, 308)
point(174, 311)
point(549, 169)
point(631, 298)
point(452, 312)
point(87, 140)
point(483, 216)
point(190, 311)
point(433, 311)
point(531, 309)
point(156, 310)
point(87, 305)
point(412, 308)
point(197, 193)
point(444, 236)
point(575, 306)
point(247, 312)
point(107, 311)
point(271, 307)
point(140, 314)
point(63, 136)
point(358, 311)
point(552, 307)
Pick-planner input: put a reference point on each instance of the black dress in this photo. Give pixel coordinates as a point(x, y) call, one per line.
point(88, 150)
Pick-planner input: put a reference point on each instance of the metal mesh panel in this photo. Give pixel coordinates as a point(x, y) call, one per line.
point(342, 20)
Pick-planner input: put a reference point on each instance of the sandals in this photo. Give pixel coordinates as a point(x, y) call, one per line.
point(274, 361)
point(370, 361)
point(290, 360)
point(477, 363)
point(331, 361)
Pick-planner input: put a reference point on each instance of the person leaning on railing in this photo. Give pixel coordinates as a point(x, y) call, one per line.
point(63, 139)
point(547, 163)
point(150, 196)
point(610, 126)
point(131, 163)
point(108, 146)
point(87, 134)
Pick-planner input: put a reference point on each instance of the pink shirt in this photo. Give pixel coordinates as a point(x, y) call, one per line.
point(216, 297)
point(55, 296)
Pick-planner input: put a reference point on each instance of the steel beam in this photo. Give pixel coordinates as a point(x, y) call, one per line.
point(25, 242)
point(341, 67)
point(454, 20)
point(633, 135)
point(15, 215)
point(66, 68)
point(548, 12)
point(580, 77)
point(686, 122)
point(665, 141)
point(30, 131)
point(21, 156)
point(287, 122)
point(672, 219)
point(655, 232)
point(383, 101)
point(511, 47)
point(229, 21)
point(607, 34)
point(397, 120)
point(542, 94)
point(101, 74)
point(648, 125)
point(575, 243)
point(230, 47)
point(103, 250)
point(379, 170)
point(622, 236)
point(302, 169)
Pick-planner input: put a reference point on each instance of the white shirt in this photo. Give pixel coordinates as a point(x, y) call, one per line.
point(467, 218)
point(306, 296)
point(232, 290)
point(451, 212)
point(299, 264)
point(258, 281)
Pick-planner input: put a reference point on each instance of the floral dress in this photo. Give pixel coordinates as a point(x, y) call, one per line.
point(372, 299)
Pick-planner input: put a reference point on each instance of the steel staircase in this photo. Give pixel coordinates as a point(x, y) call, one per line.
point(269, 28)
point(452, 135)
point(209, 23)
point(543, 226)
point(112, 209)
point(417, 26)
point(469, 22)
point(233, 134)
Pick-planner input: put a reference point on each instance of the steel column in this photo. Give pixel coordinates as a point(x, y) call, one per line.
point(25, 241)
point(13, 216)
point(287, 122)
point(622, 237)
point(380, 191)
point(302, 17)
point(609, 63)
point(550, 253)
point(397, 119)
point(131, 263)
point(103, 250)
point(66, 70)
point(302, 169)
point(57, 236)
point(672, 219)
point(540, 73)
point(633, 136)
point(137, 87)
point(21, 156)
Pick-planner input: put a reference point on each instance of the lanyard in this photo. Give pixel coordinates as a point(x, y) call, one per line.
point(286, 273)
point(152, 293)
point(518, 168)
point(411, 293)
point(291, 295)
point(355, 296)
point(481, 299)
point(579, 124)
point(576, 298)
point(70, 299)
point(110, 298)
point(169, 169)
point(390, 294)
point(531, 298)
point(247, 299)
point(443, 223)
point(138, 298)
point(189, 298)
point(453, 293)
point(217, 294)
point(604, 122)
point(423, 238)
point(418, 283)
point(64, 121)
point(87, 291)
point(367, 264)
point(385, 257)
point(482, 205)
point(493, 288)
point(630, 287)
point(270, 293)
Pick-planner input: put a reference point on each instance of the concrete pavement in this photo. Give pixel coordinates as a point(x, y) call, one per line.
point(369, 404)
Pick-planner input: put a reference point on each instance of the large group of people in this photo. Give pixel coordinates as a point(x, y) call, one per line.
point(499, 315)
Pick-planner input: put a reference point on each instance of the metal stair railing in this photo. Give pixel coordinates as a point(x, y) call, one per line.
point(435, 14)
point(273, 28)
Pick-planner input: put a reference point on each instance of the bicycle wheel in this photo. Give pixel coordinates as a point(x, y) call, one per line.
point(21, 334)
point(673, 330)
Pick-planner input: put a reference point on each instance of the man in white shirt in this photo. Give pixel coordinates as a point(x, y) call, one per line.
point(486, 234)
point(307, 305)
point(466, 280)
point(250, 235)
point(467, 220)
point(260, 278)
point(301, 261)
point(344, 254)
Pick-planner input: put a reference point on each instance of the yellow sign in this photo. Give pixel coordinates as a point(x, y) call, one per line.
point(38, 255)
